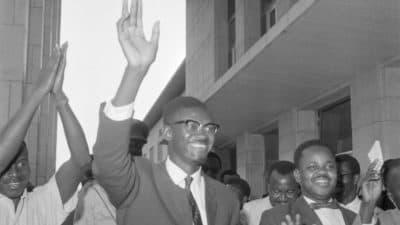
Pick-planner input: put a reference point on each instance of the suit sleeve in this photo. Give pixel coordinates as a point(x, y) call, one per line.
point(113, 166)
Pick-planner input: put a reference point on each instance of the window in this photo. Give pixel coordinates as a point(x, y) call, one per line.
point(335, 126)
point(231, 33)
point(272, 17)
point(268, 15)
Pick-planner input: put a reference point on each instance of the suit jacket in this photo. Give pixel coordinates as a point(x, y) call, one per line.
point(276, 215)
point(143, 192)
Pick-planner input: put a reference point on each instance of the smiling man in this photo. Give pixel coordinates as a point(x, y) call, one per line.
point(317, 174)
point(174, 192)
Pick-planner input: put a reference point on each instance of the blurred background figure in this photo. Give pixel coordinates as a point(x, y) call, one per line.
point(213, 165)
point(139, 134)
point(282, 189)
point(391, 182)
point(347, 182)
point(228, 174)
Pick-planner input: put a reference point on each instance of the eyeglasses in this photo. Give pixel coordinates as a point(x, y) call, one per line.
point(288, 193)
point(193, 126)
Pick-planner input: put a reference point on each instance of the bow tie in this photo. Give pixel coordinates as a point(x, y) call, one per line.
point(320, 205)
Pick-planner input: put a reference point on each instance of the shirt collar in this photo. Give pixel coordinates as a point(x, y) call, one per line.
point(178, 175)
point(355, 202)
point(309, 200)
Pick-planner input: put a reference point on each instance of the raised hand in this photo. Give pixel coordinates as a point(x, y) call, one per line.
point(47, 75)
point(372, 184)
point(289, 220)
point(59, 80)
point(139, 52)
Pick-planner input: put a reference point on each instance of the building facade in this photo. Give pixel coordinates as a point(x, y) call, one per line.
point(277, 73)
point(29, 30)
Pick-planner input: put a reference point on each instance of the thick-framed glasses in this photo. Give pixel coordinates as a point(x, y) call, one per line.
point(193, 126)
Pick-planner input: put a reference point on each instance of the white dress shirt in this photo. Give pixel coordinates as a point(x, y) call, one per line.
point(197, 187)
point(43, 206)
point(254, 209)
point(176, 174)
point(328, 216)
point(353, 205)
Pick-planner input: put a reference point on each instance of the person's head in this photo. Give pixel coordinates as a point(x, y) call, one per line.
point(282, 186)
point(348, 176)
point(315, 170)
point(189, 131)
point(228, 174)
point(138, 137)
point(391, 180)
point(15, 178)
point(241, 188)
point(213, 165)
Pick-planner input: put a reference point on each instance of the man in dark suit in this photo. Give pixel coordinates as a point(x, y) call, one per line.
point(175, 192)
point(316, 173)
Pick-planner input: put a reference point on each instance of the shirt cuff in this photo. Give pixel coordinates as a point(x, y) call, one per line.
point(118, 113)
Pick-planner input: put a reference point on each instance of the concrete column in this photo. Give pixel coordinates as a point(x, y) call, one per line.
point(295, 127)
point(375, 106)
point(247, 24)
point(28, 31)
point(250, 161)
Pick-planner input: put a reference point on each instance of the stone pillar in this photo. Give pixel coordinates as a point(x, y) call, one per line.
point(375, 108)
point(28, 31)
point(295, 127)
point(250, 161)
point(247, 24)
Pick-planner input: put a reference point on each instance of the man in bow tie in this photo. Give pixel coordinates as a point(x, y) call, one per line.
point(316, 173)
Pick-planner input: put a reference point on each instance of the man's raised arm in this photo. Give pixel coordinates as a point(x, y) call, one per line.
point(70, 173)
point(113, 165)
point(12, 135)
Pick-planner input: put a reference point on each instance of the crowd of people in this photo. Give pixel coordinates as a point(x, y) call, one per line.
point(118, 186)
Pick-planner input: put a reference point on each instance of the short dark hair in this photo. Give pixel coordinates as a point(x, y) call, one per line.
point(304, 146)
point(227, 172)
point(241, 184)
point(353, 163)
point(389, 165)
point(179, 103)
point(282, 167)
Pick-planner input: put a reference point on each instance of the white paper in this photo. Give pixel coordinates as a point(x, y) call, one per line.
point(375, 153)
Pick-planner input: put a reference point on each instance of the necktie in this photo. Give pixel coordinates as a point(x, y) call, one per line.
point(320, 205)
point(195, 210)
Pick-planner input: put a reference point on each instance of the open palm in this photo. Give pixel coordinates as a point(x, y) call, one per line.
point(139, 52)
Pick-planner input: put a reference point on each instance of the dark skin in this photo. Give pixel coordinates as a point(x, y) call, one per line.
point(393, 185)
point(188, 149)
point(317, 173)
point(282, 189)
point(15, 170)
point(346, 187)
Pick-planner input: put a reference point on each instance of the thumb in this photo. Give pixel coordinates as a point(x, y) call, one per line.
point(155, 33)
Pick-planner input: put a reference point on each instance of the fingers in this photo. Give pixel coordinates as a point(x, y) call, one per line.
point(155, 33)
point(140, 14)
point(125, 11)
point(288, 220)
point(134, 12)
point(298, 219)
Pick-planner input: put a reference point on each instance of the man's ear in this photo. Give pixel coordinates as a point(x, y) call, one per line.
point(297, 176)
point(166, 132)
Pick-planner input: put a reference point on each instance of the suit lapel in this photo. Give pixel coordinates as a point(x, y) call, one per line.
point(173, 197)
point(211, 203)
point(348, 216)
point(308, 215)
